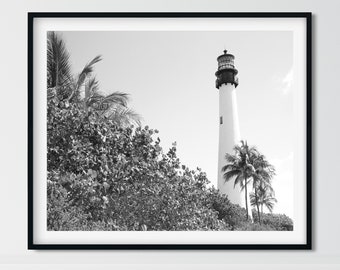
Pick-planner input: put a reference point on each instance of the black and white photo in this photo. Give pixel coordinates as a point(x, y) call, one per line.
point(170, 130)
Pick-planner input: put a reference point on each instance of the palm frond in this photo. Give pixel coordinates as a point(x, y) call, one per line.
point(230, 174)
point(229, 167)
point(58, 66)
point(269, 203)
point(117, 97)
point(91, 88)
point(85, 73)
point(87, 70)
point(122, 116)
point(95, 101)
point(252, 199)
point(265, 196)
point(239, 180)
point(232, 158)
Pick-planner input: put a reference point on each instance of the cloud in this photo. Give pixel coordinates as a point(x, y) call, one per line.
point(287, 83)
point(284, 162)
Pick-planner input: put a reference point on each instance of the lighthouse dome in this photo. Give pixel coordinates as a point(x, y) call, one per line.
point(225, 60)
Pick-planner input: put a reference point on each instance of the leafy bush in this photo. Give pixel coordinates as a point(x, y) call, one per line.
point(248, 226)
point(278, 222)
point(100, 173)
point(231, 214)
point(62, 215)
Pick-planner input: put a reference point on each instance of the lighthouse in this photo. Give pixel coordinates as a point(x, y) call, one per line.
point(229, 132)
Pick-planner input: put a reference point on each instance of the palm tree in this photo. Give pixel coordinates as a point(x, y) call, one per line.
point(60, 82)
point(239, 168)
point(262, 176)
point(68, 88)
point(265, 197)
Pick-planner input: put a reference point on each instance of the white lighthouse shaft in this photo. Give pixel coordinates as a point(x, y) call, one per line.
point(229, 136)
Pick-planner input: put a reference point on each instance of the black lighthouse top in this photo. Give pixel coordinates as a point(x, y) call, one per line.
point(226, 72)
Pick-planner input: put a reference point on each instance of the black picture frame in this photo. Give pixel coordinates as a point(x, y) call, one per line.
point(32, 16)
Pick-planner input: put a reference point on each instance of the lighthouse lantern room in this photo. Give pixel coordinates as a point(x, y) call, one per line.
point(226, 73)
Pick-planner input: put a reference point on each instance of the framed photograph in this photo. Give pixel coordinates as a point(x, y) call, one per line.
point(169, 131)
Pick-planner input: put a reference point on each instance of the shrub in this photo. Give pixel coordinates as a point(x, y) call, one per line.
point(61, 214)
point(248, 226)
point(280, 222)
point(229, 213)
point(102, 176)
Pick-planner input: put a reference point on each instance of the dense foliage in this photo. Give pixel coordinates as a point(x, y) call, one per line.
point(120, 177)
point(277, 222)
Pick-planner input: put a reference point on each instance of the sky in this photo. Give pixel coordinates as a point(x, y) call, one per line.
point(170, 78)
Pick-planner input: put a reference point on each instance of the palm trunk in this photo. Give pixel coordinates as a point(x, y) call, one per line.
point(246, 194)
point(257, 205)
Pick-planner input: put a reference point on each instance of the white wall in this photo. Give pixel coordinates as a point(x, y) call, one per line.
point(326, 133)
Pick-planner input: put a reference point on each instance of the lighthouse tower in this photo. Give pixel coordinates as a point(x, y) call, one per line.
point(229, 133)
